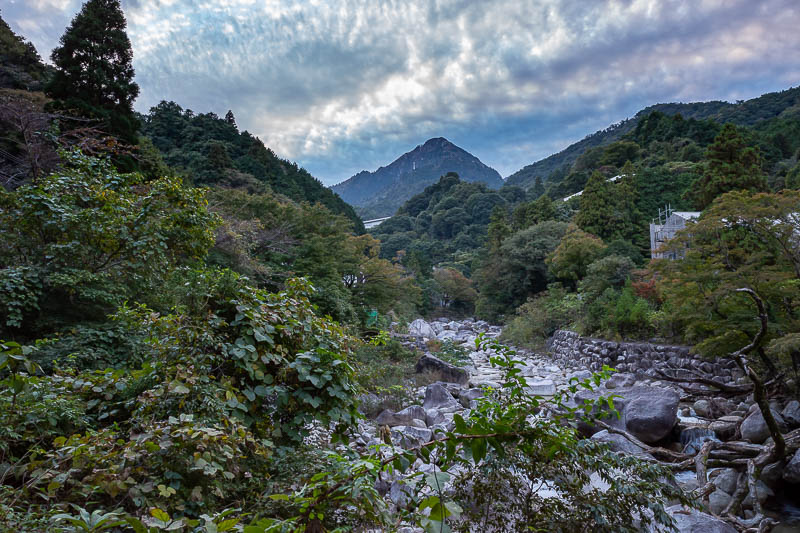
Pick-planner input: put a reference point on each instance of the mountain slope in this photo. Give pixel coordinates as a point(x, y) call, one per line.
point(20, 64)
point(382, 192)
point(743, 113)
point(214, 152)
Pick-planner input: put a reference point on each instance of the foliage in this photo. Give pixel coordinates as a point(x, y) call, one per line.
point(517, 270)
point(21, 66)
point(82, 240)
point(742, 240)
point(94, 72)
point(499, 442)
point(456, 290)
point(537, 319)
point(732, 165)
point(212, 151)
point(573, 255)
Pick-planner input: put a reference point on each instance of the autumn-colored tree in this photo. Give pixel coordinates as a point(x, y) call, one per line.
point(743, 240)
point(456, 289)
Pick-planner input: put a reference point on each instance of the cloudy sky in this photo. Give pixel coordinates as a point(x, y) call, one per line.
point(345, 85)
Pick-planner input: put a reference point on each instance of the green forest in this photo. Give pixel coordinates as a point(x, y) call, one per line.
point(190, 325)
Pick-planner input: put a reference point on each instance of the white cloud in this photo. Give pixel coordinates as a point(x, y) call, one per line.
point(342, 85)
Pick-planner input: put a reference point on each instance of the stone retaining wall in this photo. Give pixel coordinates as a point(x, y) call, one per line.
point(639, 358)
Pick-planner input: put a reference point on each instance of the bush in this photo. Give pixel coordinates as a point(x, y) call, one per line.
point(537, 319)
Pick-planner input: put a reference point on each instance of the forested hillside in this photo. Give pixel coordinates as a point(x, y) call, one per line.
point(212, 151)
point(557, 168)
point(20, 64)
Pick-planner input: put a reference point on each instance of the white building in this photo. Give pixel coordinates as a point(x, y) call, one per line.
point(669, 223)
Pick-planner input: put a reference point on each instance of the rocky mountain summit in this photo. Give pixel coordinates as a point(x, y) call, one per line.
point(657, 419)
point(382, 192)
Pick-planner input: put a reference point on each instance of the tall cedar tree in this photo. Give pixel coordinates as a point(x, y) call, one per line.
point(731, 165)
point(94, 75)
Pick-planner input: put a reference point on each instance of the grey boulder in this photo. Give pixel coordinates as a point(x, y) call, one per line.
point(648, 413)
point(444, 371)
point(438, 397)
point(791, 413)
point(420, 328)
point(694, 521)
point(754, 427)
point(791, 474)
point(401, 418)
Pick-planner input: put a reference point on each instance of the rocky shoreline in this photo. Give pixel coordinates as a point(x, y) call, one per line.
point(654, 414)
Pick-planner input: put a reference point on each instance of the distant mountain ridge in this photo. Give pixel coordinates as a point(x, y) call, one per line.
point(382, 192)
point(742, 113)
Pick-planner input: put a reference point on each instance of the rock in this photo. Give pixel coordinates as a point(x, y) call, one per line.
point(401, 418)
point(791, 474)
point(620, 380)
point(437, 397)
point(369, 404)
point(693, 521)
point(726, 427)
point(726, 479)
point(443, 370)
point(469, 395)
point(791, 414)
point(771, 474)
point(434, 417)
point(400, 494)
point(754, 427)
point(542, 387)
point(763, 492)
point(618, 443)
point(420, 328)
point(718, 501)
point(410, 436)
point(648, 413)
point(580, 375)
point(702, 408)
point(417, 423)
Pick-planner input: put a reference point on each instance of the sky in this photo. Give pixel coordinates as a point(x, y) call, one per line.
point(347, 85)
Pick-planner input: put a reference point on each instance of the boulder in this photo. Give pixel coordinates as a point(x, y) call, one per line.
point(754, 427)
point(620, 444)
point(718, 501)
point(648, 413)
point(694, 521)
point(702, 408)
point(469, 395)
point(401, 418)
point(725, 479)
point(437, 397)
point(410, 436)
point(434, 417)
point(791, 474)
point(791, 414)
point(542, 387)
point(420, 328)
point(621, 380)
point(726, 427)
point(443, 370)
point(763, 492)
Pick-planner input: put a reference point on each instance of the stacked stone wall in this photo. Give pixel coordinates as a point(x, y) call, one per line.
point(639, 358)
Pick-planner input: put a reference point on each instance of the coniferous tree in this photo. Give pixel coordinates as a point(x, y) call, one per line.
point(94, 73)
point(538, 189)
point(600, 212)
point(230, 119)
point(731, 165)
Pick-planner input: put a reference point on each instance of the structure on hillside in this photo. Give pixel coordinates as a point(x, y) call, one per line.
point(664, 228)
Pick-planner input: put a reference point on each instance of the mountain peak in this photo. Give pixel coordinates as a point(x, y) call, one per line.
point(382, 192)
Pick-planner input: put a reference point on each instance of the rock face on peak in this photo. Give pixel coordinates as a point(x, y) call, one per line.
point(382, 192)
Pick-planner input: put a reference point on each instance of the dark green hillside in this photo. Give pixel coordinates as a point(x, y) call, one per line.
point(214, 152)
point(20, 64)
point(559, 167)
